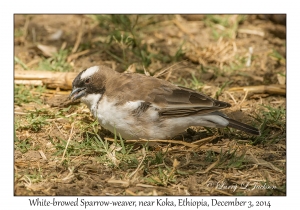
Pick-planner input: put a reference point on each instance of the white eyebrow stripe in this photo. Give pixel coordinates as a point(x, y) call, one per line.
point(89, 72)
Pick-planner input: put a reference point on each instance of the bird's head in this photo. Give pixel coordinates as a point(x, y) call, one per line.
point(89, 81)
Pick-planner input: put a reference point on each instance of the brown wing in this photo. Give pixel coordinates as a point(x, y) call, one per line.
point(185, 102)
point(172, 100)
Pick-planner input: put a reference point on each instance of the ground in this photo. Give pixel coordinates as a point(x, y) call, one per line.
point(61, 150)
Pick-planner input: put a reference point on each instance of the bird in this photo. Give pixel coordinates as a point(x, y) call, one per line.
point(137, 106)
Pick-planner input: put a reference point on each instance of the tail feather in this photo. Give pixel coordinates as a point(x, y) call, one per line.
point(243, 127)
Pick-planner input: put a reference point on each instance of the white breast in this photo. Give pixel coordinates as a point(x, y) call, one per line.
point(120, 118)
point(91, 100)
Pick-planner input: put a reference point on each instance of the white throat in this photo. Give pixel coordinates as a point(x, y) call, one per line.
point(91, 100)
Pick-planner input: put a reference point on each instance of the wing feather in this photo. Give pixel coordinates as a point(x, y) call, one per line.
point(184, 102)
point(171, 100)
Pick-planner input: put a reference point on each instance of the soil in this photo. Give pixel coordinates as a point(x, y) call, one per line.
point(40, 171)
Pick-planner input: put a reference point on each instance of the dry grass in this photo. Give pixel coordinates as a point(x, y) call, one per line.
point(61, 150)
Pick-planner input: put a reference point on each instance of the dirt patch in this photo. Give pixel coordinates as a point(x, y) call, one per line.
point(61, 150)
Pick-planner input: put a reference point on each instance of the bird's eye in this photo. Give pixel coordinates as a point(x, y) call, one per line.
point(87, 81)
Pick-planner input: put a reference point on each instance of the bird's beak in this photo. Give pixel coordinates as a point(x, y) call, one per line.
point(77, 93)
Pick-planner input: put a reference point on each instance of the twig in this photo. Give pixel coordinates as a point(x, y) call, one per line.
point(63, 80)
point(222, 192)
point(164, 71)
point(260, 89)
point(42, 154)
point(29, 82)
point(145, 185)
point(248, 63)
point(32, 62)
point(130, 192)
point(209, 167)
point(68, 142)
point(58, 129)
point(76, 55)
point(70, 174)
point(249, 31)
point(205, 140)
point(122, 182)
point(231, 96)
point(246, 94)
point(144, 155)
point(20, 113)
